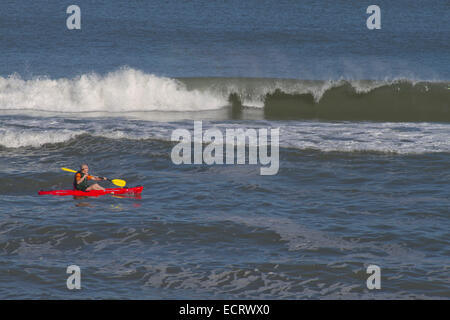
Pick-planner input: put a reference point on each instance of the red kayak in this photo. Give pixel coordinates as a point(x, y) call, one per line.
point(92, 193)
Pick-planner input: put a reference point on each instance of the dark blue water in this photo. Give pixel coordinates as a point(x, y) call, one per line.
point(363, 159)
point(285, 39)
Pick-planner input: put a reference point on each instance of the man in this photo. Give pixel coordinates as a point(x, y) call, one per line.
point(80, 181)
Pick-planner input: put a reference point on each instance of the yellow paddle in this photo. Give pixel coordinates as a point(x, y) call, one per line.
point(117, 182)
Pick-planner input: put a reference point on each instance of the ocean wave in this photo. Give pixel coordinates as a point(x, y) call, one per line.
point(384, 137)
point(128, 90)
point(120, 91)
point(400, 100)
point(14, 138)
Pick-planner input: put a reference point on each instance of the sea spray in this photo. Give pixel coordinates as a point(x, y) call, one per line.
point(129, 90)
point(123, 90)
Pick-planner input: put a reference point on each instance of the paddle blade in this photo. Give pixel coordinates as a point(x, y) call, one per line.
point(119, 182)
point(68, 170)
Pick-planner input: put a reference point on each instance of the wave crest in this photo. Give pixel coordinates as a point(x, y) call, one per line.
point(123, 90)
point(130, 90)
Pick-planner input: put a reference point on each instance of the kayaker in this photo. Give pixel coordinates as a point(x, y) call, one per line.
point(80, 181)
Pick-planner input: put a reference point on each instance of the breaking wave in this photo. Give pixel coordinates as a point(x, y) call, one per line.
point(120, 91)
point(129, 90)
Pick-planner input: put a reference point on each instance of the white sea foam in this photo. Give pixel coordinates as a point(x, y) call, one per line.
point(387, 137)
point(16, 138)
point(120, 91)
point(128, 90)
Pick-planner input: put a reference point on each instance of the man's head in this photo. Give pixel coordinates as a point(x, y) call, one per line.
point(84, 168)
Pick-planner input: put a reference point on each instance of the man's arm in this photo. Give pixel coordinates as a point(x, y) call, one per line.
point(97, 178)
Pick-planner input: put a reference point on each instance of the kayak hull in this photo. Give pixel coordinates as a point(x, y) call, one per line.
point(92, 193)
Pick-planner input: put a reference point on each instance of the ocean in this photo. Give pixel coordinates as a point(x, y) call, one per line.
point(362, 156)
